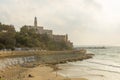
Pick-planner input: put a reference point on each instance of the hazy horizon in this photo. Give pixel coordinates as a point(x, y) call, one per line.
point(87, 22)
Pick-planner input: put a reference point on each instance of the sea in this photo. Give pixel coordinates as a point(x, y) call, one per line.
point(105, 65)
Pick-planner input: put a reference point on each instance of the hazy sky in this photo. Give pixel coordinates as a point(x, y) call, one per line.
point(87, 22)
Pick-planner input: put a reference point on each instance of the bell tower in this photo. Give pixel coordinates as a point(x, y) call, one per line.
point(35, 22)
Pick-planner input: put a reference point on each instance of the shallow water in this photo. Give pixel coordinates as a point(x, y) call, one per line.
point(105, 65)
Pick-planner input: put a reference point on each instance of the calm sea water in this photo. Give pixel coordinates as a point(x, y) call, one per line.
point(105, 65)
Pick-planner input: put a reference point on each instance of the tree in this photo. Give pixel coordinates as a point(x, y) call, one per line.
point(7, 36)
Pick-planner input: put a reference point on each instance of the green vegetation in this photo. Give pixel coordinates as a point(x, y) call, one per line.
point(27, 38)
point(7, 37)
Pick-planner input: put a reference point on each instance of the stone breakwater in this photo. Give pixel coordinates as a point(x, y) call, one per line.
point(49, 57)
point(63, 57)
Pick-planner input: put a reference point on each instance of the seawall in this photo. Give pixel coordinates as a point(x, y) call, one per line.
point(49, 57)
point(63, 57)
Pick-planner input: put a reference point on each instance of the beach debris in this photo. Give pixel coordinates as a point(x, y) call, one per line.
point(30, 76)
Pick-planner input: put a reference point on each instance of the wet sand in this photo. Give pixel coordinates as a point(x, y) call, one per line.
point(43, 72)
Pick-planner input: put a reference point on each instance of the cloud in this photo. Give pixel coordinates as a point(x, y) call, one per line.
point(86, 21)
point(93, 3)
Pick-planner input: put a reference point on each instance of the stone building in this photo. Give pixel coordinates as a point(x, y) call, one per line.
point(57, 38)
point(41, 30)
point(60, 38)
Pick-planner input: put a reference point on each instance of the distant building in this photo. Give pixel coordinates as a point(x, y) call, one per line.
point(35, 22)
point(57, 38)
point(40, 29)
point(60, 38)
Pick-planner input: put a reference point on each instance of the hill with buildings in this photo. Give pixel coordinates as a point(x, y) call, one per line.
point(32, 37)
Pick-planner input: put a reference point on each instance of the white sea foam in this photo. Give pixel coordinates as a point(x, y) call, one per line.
point(104, 66)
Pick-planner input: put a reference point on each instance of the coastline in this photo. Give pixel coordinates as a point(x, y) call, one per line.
point(39, 69)
point(43, 72)
point(40, 72)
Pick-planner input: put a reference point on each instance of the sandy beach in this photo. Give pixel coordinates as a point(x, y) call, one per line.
point(43, 72)
point(35, 68)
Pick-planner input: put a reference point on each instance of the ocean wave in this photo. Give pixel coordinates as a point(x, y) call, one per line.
point(116, 66)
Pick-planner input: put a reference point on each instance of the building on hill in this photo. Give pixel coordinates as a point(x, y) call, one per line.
point(35, 22)
point(69, 43)
point(57, 38)
point(41, 30)
point(63, 38)
point(60, 38)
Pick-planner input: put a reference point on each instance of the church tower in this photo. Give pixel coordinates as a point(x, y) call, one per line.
point(35, 22)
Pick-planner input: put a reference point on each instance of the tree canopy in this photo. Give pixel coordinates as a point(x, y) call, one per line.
point(7, 36)
point(27, 38)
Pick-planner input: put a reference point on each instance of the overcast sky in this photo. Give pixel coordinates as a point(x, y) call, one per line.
point(87, 22)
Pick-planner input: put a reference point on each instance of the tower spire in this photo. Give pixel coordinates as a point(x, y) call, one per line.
point(35, 21)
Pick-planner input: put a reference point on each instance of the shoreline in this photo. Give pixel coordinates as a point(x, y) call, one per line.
point(40, 72)
point(29, 70)
point(43, 72)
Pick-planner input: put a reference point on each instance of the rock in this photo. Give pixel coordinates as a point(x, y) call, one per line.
point(30, 76)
